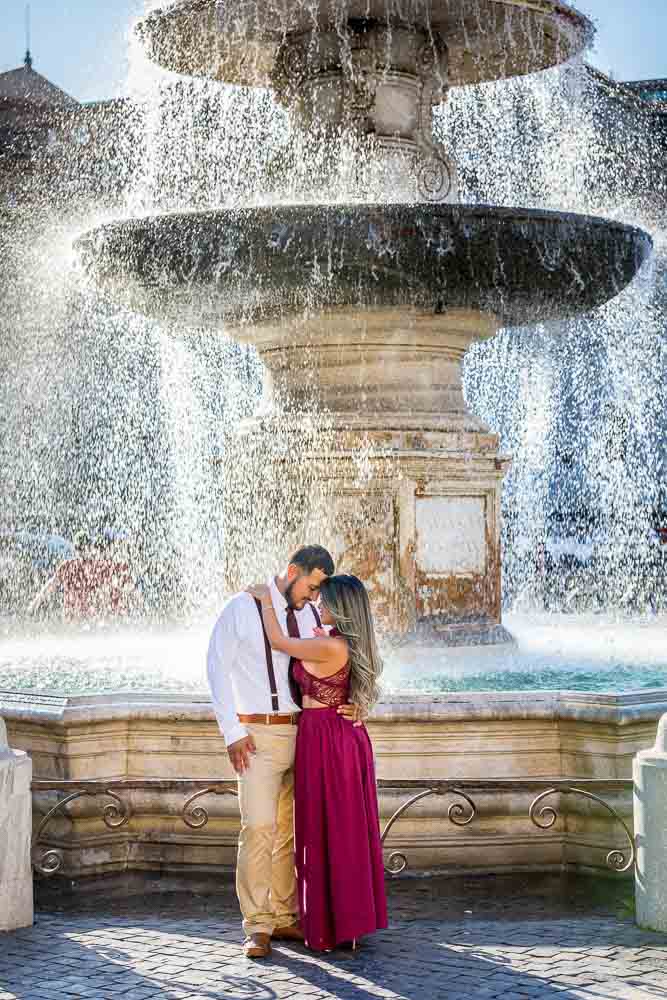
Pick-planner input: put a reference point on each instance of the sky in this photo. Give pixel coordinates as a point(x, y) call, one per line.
point(81, 45)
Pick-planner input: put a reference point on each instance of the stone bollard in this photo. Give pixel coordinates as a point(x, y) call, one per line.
point(16, 902)
point(650, 810)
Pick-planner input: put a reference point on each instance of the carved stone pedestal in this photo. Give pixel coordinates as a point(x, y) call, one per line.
point(413, 477)
point(423, 533)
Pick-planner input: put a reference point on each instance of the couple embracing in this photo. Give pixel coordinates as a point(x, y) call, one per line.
point(290, 686)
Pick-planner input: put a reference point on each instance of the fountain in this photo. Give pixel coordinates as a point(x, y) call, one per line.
point(362, 304)
point(365, 310)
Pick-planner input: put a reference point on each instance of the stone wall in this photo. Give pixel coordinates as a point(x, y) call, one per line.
point(16, 906)
point(539, 735)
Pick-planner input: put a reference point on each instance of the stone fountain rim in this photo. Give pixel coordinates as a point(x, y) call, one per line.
point(562, 7)
point(555, 9)
point(482, 210)
point(115, 252)
point(620, 708)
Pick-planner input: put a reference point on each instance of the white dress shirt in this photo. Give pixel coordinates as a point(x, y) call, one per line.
point(236, 662)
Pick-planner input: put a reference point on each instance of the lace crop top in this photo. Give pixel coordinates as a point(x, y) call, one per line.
point(331, 691)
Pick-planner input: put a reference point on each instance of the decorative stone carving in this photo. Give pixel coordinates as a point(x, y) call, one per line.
point(290, 69)
point(435, 171)
point(361, 82)
point(434, 176)
point(376, 81)
point(364, 543)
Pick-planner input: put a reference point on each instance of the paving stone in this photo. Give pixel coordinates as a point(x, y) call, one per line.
point(118, 953)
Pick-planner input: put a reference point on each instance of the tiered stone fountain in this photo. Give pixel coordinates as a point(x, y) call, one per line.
point(386, 296)
point(365, 310)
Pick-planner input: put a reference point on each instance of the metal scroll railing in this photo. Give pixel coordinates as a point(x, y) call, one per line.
point(113, 800)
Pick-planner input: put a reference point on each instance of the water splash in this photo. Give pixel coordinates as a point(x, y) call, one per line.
point(112, 423)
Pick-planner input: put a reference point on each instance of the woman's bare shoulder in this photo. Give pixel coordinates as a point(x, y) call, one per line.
point(339, 654)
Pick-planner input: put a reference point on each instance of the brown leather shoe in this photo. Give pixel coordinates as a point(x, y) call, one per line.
point(291, 933)
point(257, 946)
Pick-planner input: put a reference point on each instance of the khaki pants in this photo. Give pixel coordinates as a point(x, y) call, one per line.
point(265, 879)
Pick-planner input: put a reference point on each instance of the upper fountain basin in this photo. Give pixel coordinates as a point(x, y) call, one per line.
point(232, 267)
point(236, 41)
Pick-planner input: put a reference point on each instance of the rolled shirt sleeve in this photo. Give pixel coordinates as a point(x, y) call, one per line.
point(222, 649)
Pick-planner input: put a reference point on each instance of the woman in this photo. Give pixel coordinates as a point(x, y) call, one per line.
point(340, 874)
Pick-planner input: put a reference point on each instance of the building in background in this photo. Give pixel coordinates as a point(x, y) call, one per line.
point(653, 92)
point(57, 154)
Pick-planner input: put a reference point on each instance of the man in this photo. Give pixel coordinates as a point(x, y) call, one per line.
point(257, 717)
point(93, 584)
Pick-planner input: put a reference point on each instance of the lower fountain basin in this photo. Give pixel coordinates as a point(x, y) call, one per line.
point(587, 653)
point(230, 268)
point(454, 732)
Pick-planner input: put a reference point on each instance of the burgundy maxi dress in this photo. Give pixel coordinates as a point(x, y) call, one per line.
point(340, 873)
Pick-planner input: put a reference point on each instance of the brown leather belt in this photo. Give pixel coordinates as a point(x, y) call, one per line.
point(272, 719)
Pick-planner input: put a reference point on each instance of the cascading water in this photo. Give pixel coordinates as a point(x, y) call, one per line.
point(143, 422)
point(600, 479)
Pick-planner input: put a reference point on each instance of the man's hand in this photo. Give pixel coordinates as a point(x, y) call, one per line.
point(353, 713)
point(241, 752)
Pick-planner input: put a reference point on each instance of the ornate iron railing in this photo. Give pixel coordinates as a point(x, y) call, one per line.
point(117, 812)
point(461, 815)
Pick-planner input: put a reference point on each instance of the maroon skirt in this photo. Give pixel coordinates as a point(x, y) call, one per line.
point(340, 873)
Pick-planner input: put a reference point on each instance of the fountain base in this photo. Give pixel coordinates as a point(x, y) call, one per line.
point(462, 633)
point(407, 479)
point(466, 736)
point(362, 314)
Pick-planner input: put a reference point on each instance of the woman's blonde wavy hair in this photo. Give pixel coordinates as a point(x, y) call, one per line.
point(346, 598)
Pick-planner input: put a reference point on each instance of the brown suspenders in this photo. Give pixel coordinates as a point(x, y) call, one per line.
point(275, 705)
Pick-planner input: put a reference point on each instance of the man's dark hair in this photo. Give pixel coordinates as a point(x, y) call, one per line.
point(312, 557)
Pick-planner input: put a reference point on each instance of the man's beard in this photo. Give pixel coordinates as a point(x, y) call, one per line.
point(288, 597)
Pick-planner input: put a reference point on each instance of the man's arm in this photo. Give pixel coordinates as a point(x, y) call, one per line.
point(45, 592)
point(222, 649)
point(352, 713)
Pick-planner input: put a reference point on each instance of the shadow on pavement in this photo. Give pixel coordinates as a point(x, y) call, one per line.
point(449, 939)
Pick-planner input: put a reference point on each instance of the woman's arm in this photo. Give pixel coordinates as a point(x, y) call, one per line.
point(330, 654)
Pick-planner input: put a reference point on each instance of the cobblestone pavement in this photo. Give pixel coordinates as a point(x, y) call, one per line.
point(453, 939)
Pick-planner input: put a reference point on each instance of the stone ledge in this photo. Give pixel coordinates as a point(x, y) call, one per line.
point(617, 708)
point(478, 737)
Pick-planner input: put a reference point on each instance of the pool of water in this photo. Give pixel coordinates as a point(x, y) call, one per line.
point(552, 652)
point(582, 653)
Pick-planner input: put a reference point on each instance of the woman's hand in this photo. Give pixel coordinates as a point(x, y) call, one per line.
point(320, 633)
point(259, 590)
